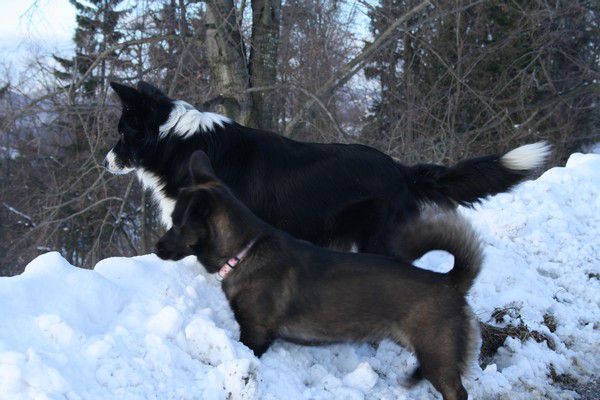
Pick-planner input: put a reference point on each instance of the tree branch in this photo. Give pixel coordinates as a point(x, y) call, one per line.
point(19, 213)
point(311, 95)
point(352, 67)
point(73, 86)
point(356, 64)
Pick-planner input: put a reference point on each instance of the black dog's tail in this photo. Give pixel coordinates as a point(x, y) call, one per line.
point(446, 231)
point(471, 180)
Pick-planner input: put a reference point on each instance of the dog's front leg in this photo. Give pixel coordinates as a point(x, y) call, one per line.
point(258, 338)
point(256, 318)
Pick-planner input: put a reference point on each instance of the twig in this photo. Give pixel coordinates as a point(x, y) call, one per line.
point(19, 213)
point(71, 87)
point(313, 96)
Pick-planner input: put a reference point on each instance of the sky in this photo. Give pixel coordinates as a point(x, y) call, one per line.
point(34, 26)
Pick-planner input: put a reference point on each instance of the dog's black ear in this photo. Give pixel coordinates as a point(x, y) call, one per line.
point(201, 170)
point(151, 91)
point(127, 94)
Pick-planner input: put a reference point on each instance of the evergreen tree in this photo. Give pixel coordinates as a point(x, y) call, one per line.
point(457, 83)
point(96, 31)
point(391, 68)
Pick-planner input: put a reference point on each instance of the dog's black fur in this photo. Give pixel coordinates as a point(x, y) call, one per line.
point(333, 195)
point(291, 289)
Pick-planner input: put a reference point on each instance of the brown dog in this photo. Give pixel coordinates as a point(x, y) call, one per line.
point(281, 287)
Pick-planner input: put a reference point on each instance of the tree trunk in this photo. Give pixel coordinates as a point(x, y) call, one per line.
point(227, 60)
point(266, 19)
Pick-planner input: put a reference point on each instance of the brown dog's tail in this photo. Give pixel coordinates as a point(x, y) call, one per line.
point(446, 231)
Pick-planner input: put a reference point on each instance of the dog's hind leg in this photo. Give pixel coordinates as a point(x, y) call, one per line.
point(385, 228)
point(438, 345)
point(443, 373)
point(377, 229)
point(440, 362)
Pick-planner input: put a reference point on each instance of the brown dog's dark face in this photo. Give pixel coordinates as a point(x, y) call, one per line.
point(189, 230)
point(207, 220)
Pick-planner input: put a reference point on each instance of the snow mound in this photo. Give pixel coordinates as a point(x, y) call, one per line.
point(141, 328)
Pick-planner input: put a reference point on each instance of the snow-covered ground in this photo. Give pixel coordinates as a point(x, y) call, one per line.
point(140, 328)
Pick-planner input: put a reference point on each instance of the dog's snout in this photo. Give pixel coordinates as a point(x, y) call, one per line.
point(161, 251)
point(167, 249)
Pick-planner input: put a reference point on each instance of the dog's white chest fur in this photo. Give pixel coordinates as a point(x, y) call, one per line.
point(166, 204)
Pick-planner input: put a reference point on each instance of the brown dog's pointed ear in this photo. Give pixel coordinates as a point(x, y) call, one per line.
point(201, 170)
point(127, 94)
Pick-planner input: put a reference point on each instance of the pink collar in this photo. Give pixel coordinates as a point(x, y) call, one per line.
point(232, 262)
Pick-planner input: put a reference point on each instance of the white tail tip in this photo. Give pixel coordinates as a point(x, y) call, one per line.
point(527, 157)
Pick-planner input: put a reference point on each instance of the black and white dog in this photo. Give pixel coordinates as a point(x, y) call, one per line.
point(333, 195)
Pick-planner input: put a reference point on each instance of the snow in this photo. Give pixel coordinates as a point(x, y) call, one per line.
point(9, 153)
point(141, 328)
point(362, 378)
